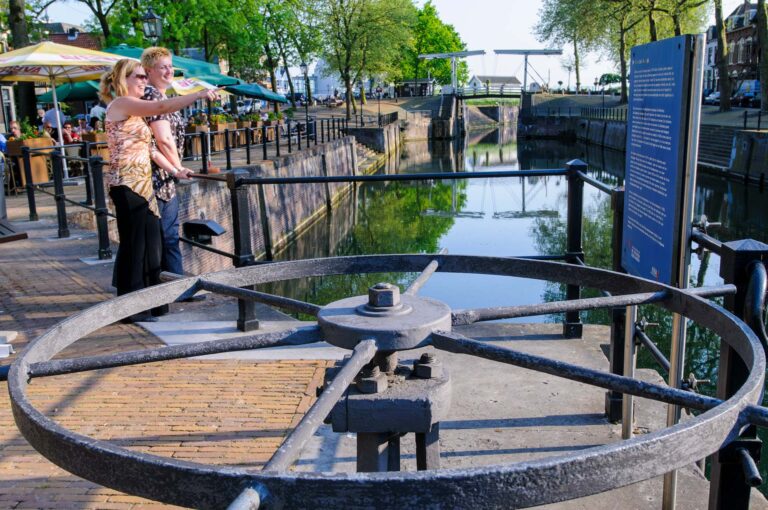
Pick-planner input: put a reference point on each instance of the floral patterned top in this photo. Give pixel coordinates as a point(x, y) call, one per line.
point(130, 158)
point(164, 184)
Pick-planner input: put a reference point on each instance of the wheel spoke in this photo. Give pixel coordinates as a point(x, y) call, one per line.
point(424, 277)
point(285, 303)
point(291, 447)
point(295, 336)
point(470, 316)
point(453, 342)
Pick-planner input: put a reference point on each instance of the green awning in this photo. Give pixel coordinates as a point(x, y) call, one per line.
point(78, 91)
point(256, 91)
point(190, 67)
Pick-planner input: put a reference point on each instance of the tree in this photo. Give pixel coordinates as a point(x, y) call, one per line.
point(350, 27)
point(721, 58)
point(432, 35)
point(25, 92)
point(101, 10)
point(572, 22)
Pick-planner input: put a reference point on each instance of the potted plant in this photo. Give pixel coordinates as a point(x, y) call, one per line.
point(34, 139)
point(97, 136)
point(197, 124)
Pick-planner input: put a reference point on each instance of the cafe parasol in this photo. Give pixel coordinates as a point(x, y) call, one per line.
point(57, 63)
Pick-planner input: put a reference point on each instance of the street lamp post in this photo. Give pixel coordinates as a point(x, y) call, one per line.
point(378, 95)
point(304, 68)
point(152, 26)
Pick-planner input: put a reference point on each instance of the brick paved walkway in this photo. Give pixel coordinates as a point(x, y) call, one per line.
point(229, 412)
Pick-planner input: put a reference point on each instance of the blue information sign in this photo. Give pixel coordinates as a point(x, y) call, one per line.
point(655, 158)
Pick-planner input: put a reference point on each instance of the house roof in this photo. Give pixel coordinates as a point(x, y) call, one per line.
point(498, 79)
point(88, 41)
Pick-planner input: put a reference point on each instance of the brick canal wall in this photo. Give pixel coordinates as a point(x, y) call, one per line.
point(286, 211)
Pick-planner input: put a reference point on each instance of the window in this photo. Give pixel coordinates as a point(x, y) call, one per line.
point(731, 47)
point(748, 51)
point(740, 56)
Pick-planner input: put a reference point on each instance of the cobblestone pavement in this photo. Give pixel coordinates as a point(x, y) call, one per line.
point(228, 412)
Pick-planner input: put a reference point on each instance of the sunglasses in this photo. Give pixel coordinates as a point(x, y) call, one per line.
point(141, 76)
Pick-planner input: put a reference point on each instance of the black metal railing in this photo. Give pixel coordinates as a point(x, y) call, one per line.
point(612, 114)
point(757, 116)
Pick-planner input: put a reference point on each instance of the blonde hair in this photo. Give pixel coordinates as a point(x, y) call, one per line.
point(151, 55)
point(113, 82)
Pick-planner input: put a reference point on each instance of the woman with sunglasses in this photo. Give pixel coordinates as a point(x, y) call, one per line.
point(129, 178)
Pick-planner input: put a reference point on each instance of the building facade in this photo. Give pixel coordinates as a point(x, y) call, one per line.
point(743, 48)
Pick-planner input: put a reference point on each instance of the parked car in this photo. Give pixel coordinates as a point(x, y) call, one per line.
point(298, 97)
point(713, 98)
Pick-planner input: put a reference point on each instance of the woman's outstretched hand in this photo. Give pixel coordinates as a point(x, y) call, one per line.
point(210, 95)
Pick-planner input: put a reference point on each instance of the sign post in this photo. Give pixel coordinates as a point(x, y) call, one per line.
point(662, 146)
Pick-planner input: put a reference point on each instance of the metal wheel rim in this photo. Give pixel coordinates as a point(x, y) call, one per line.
point(517, 485)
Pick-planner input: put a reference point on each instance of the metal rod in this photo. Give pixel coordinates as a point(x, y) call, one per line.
point(403, 177)
point(59, 171)
point(209, 248)
point(595, 183)
point(706, 241)
point(27, 164)
point(248, 140)
point(425, 275)
point(228, 148)
point(291, 447)
point(630, 363)
point(655, 352)
point(261, 297)
point(453, 342)
point(295, 336)
point(463, 317)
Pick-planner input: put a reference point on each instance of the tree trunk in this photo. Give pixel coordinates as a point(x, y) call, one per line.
point(576, 65)
point(26, 101)
point(290, 83)
point(677, 23)
point(104, 23)
point(721, 59)
point(272, 77)
point(652, 24)
point(348, 88)
point(623, 62)
point(762, 37)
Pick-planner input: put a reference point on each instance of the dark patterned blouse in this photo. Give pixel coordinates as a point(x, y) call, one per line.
point(163, 183)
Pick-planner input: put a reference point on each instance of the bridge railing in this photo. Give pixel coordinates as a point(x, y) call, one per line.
point(487, 90)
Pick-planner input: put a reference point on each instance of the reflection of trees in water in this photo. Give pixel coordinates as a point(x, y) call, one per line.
point(550, 239)
point(391, 218)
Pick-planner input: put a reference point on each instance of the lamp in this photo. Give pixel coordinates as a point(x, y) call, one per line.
point(152, 25)
point(304, 69)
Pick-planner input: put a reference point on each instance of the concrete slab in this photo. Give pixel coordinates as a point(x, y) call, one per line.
point(505, 414)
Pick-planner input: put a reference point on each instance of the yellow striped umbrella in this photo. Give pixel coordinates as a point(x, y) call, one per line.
point(57, 63)
point(186, 86)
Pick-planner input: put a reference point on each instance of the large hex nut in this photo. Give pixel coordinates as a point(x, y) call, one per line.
point(383, 295)
point(428, 370)
point(373, 384)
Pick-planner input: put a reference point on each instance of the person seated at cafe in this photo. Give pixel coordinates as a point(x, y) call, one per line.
point(95, 125)
point(68, 134)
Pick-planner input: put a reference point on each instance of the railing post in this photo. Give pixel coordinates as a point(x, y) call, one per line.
point(276, 127)
point(86, 152)
point(96, 165)
point(264, 140)
point(314, 130)
point(58, 188)
point(298, 136)
point(572, 327)
point(248, 137)
point(227, 148)
point(241, 231)
point(290, 145)
point(204, 152)
point(613, 399)
point(745, 119)
point(728, 488)
point(27, 160)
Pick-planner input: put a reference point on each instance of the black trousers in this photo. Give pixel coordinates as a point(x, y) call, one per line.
point(137, 264)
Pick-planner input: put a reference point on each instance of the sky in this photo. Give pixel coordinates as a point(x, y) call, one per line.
point(483, 25)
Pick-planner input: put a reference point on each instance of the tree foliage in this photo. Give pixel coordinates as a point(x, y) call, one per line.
point(432, 35)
